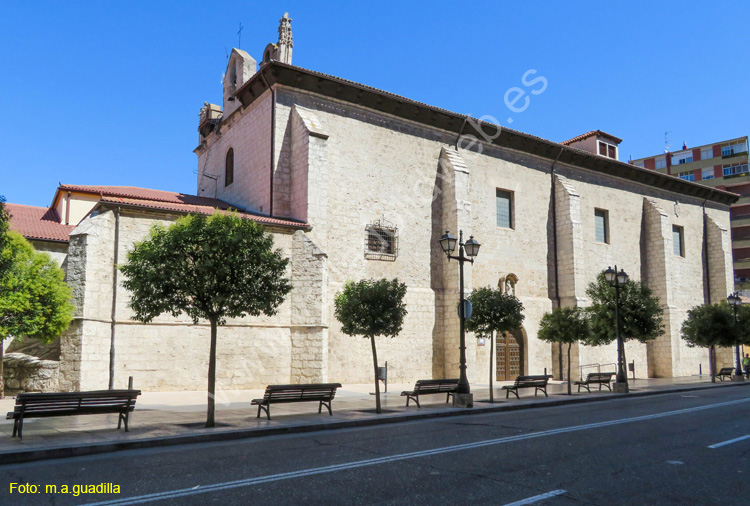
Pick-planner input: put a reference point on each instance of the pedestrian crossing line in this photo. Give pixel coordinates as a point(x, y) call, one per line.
point(537, 498)
point(735, 440)
point(216, 487)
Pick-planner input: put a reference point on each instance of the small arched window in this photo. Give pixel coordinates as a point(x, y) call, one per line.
point(229, 168)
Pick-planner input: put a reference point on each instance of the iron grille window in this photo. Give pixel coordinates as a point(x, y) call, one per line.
point(381, 241)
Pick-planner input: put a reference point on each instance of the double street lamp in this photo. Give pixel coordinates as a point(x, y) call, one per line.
point(466, 253)
point(618, 280)
point(735, 301)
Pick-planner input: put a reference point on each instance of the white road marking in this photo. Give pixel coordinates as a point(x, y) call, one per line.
point(172, 494)
point(536, 498)
point(718, 445)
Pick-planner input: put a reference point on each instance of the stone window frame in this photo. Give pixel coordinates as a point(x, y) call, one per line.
point(678, 246)
point(604, 213)
point(229, 168)
point(381, 241)
point(511, 197)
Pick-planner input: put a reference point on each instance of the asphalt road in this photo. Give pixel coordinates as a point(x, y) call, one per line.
point(638, 451)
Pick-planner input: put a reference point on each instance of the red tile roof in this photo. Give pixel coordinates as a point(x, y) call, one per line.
point(598, 133)
point(38, 223)
point(208, 206)
point(145, 194)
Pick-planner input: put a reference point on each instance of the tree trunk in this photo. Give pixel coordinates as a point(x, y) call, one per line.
point(211, 377)
point(560, 361)
point(2, 380)
point(570, 392)
point(377, 381)
point(492, 355)
point(712, 362)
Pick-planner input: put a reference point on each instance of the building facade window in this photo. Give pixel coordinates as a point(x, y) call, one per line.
point(707, 173)
point(687, 176)
point(229, 168)
point(504, 200)
point(639, 164)
point(381, 241)
point(661, 163)
point(707, 153)
point(682, 158)
point(607, 150)
point(601, 225)
point(733, 148)
point(678, 240)
point(734, 168)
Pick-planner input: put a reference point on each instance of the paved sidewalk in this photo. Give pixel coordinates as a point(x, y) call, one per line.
point(170, 418)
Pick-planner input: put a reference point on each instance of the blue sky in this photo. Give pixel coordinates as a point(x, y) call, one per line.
point(109, 92)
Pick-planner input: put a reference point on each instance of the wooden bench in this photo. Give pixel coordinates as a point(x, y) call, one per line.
point(725, 371)
point(434, 386)
point(596, 378)
point(538, 383)
point(317, 392)
point(121, 402)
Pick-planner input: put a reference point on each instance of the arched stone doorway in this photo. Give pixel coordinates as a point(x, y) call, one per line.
point(510, 355)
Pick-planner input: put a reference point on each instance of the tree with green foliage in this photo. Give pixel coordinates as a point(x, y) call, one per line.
point(566, 325)
point(371, 308)
point(493, 312)
point(35, 301)
point(708, 326)
point(4, 225)
point(640, 313)
point(208, 267)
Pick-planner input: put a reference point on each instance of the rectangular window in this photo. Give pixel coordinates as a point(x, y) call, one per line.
point(504, 200)
point(707, 154)
point(678, 240)
point(381, 241)
point(639, 164)
point(607, 150)
point(735, 168)
point(601, 225)
point(732, 149)
point(682, 158)
point(661, 163)
point(707, 173)
point(687, 176)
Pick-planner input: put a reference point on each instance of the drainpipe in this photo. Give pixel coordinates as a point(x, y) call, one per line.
point(273, 137)
point(554, 250)
point(114, 303)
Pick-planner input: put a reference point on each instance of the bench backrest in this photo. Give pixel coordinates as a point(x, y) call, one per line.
point(726, 370)
point(532, 381)
point(435, 385)
point(301, 392)
point(600, 376)
point(67, 401)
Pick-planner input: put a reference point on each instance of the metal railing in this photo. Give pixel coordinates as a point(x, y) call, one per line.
point(598, 368)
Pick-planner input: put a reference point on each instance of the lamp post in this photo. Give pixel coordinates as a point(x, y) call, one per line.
point(735, 301)
point(618, 280)
point(466, 253)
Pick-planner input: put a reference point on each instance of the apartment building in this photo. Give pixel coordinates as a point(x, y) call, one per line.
point(722, 165)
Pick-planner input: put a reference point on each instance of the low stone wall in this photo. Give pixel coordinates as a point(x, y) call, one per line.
point(24, 373)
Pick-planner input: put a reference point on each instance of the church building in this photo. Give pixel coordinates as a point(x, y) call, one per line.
point(356, 182)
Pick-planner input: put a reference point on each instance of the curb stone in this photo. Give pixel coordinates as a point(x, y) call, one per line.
point(59, 452)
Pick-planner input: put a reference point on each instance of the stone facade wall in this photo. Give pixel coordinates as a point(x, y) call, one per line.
point(341, 167)
point(24, 373)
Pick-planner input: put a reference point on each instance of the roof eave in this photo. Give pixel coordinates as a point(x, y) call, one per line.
point(274, 73)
